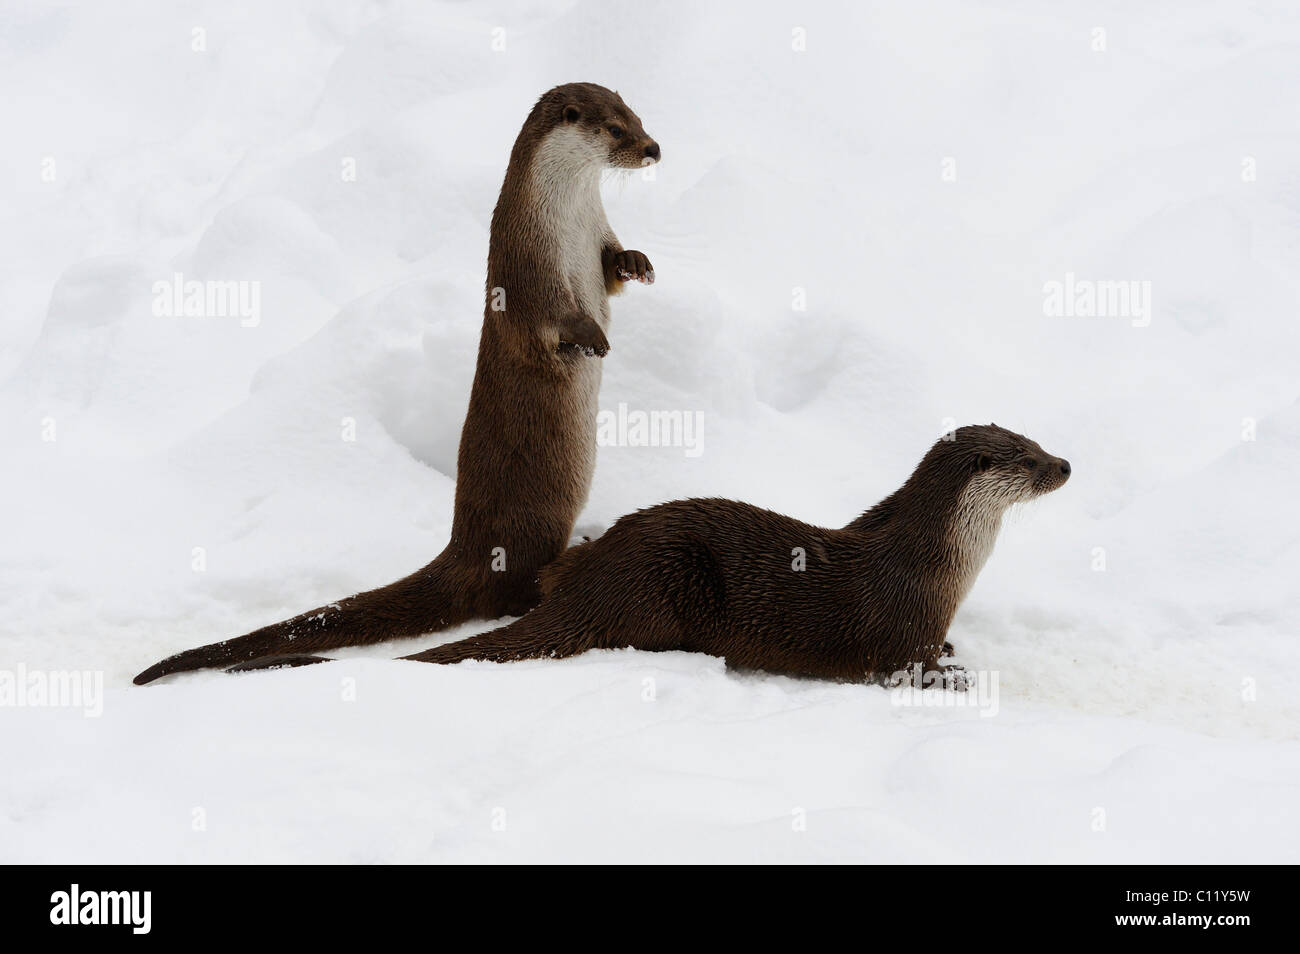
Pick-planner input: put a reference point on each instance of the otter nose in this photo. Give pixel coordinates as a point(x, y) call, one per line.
point(652, 151)
point(1065, 468)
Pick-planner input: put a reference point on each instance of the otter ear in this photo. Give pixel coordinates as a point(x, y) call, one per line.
point(983, 462)
point(572, 114)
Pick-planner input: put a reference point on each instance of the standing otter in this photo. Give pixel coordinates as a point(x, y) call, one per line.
point(528, 447)
point(766, 591)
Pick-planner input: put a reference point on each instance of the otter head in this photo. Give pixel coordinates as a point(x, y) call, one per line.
point(985, 469)
point(1004, 466)
point(591, 125)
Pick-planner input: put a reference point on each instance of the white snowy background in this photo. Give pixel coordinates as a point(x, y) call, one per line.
point(1154, 700)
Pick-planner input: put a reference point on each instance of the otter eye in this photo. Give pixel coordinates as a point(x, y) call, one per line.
point(616, 132)
point(1028, 463)
point(571, 114)
point(983, 462)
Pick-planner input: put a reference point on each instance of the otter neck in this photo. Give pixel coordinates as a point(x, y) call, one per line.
point(564, 181)
point(972, 530)
point(564, 195)
point(922, 518)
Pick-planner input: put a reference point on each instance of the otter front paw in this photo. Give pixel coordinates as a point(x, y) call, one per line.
point(956, 678)
point(633, 266)
point(932, 675)
point(947, 649)
point(583, 334)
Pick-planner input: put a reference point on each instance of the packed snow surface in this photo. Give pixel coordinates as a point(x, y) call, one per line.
point(859, 219)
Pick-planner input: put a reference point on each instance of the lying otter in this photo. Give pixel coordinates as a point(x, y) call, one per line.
point(765, 591)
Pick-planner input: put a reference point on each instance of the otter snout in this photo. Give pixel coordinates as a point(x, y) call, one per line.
point(652, 151)
point(1055, 472)
point(1044, 472)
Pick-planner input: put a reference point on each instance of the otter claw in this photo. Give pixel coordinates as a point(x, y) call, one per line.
point(957, 678)
point(632, 265)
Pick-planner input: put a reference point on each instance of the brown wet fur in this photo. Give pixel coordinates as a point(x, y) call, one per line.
point(527, 449)
point(715, 576)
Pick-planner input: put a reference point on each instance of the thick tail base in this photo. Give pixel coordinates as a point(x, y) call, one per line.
point(528, 638)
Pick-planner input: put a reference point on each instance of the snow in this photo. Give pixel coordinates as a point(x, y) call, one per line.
point(169, 481)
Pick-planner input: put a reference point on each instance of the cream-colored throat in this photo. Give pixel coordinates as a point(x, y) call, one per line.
point(566, 172)
point(566, 178)
point(974, 527)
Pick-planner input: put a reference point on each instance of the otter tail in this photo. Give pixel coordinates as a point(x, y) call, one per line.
point(572, 618)
point(522, 639)
point(539, 635)
point(428, 600)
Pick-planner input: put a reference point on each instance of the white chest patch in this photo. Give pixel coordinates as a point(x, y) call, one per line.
point(566, 177)
point(975, 525)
